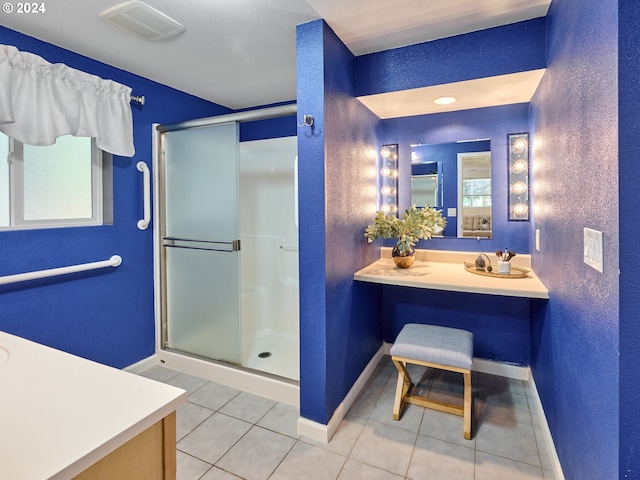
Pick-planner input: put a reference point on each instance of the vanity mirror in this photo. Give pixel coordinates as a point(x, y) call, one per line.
point(456, 178)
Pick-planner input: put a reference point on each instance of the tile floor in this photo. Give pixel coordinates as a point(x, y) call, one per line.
point(226, 434)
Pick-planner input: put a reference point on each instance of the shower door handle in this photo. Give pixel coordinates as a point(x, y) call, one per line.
point(214, 246)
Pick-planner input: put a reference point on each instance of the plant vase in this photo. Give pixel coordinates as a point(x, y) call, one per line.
point(403, 260)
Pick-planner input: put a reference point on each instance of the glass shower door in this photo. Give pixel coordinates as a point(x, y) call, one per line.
point(200, 257)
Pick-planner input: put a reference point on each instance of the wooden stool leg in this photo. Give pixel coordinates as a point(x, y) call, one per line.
point(402, 388)
point(467, 405)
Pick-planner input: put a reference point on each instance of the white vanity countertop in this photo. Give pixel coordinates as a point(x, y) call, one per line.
point(60, 414)
point(443, 270)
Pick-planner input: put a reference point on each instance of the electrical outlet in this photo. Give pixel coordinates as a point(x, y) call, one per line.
point(593, 255)
point(452, 212)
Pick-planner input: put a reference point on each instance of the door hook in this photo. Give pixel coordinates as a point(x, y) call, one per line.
point(307, 121)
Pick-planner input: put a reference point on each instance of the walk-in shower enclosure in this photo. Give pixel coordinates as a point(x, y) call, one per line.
point(228, 247)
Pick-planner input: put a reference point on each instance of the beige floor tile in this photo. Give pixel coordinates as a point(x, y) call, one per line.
point(282, 418)
point(385, 447)
point(159, 373)
point(353, 470)
point(225, 434)
point(445, 426)
point(365, 402)
point(213, 395)
point(436, 459)
point(503, 384)
point(411, 415)
point(211, 440)
point(381, 375)
point(345, 436)
point(257, 454)
point(507, 439)
point(306, 461)
point(545, 455)
point(503, 404)
point(187, 382)
point(217, 474)
point(491, 467)
point(188, 417)
point(190, 468)
point(248, 407)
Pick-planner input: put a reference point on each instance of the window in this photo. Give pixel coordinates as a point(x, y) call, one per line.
point(476, 192)
point(53, 186)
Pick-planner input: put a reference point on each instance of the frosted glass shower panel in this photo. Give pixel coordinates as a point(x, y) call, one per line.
point(200, 240)
point(200, 305)
point(201, 183)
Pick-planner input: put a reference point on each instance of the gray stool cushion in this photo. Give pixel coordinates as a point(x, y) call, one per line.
point(430, 343)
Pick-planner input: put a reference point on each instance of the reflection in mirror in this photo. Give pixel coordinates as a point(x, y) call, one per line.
point(474, 204)
point(426, 184)
point(455, 177)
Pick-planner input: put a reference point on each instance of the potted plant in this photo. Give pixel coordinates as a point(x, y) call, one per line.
point(415, 223)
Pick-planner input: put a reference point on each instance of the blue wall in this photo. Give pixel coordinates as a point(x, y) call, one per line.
point(628, 154)
point(340, 324)
point(340, 327)
point(575, 340)
point(104, 315)
point(502, 50)
point(494, 123)
point(500, 324)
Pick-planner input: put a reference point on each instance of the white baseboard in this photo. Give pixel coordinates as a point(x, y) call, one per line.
point(323, 433)
point(142, 365)
point(490, 366)
point(546, 432)
point(502, 369)
point(266, 386)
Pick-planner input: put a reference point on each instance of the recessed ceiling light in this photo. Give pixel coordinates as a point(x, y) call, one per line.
point(444, 100)
point(142, 20)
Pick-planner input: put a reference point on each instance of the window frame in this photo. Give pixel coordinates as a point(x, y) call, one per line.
point(484, 196)
point(15, 160)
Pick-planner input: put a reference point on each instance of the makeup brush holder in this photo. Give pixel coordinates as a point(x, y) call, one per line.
point(504, 267)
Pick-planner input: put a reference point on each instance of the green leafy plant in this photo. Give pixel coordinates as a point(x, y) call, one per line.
point(415, 224)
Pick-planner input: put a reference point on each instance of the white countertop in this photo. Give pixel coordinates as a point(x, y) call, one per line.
point(440, 270)
point(60, 414)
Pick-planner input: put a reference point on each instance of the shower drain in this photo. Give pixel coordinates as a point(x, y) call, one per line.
point(264, 355)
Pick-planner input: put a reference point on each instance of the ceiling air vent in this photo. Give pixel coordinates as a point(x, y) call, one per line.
point(142, 20)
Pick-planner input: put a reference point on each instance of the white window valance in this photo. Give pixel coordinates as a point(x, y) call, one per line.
point(40, 101)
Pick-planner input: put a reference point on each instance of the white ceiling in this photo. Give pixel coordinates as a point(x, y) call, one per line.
point(482, 92)
point(241, 53)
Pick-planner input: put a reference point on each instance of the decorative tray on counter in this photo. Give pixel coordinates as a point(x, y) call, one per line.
point(516, 272)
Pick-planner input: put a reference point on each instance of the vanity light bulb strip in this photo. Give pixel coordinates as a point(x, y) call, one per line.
point(518, 176)
point(388, 179)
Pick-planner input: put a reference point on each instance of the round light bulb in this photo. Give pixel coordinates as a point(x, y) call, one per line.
point(519, 209)
point(518, 188)
point(519, 145)
point(385, 152)
point(385, 171)
point(519, 166)
point(385, 208)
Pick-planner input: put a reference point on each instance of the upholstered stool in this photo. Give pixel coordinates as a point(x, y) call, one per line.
point(437, 347)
